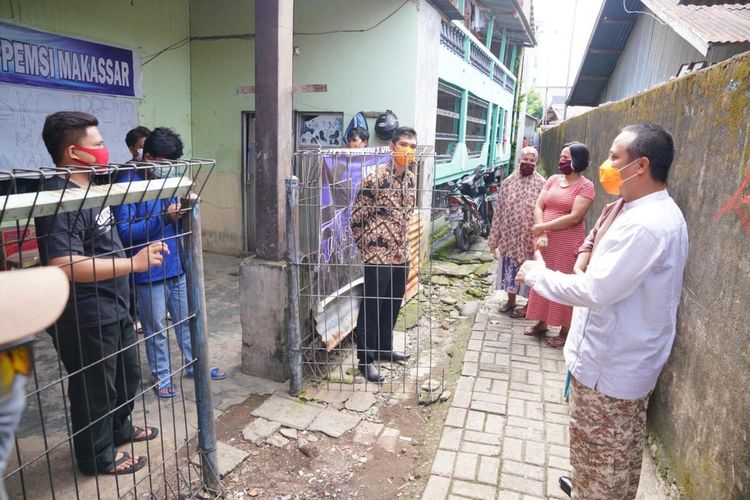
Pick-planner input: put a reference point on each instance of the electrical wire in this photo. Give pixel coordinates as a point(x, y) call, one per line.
point(641, 12)
point(251, 36)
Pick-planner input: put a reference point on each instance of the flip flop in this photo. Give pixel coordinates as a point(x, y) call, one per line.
point(506, 308)
point(556, 342)
point(217, 373)
point(531, 331)
point(151, 434)
point(130, 470)
point(517, 314)
point(166, 392)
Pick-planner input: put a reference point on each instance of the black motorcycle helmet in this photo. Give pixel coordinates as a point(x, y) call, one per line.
point(385, 125)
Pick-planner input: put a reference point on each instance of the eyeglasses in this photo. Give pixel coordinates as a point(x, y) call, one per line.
point(17, 360)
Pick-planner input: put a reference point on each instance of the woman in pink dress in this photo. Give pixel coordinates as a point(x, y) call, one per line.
point(559, 230)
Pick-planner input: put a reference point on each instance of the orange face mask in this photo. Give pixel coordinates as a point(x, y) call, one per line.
point(610, 177)
point(403, 156)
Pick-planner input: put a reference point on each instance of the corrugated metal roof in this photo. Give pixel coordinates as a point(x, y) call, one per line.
point(711, 2)
point(517, 16)
point(726, 23)
point(699, 25)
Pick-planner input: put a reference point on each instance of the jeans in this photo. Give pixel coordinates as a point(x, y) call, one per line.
point(384, 293)
point(154, 300)
point(106, 373)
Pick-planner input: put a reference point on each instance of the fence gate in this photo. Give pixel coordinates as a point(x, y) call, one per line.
point(93, 374)
point(328, 272)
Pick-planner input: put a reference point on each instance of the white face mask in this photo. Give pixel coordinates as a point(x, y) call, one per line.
point(139, 154)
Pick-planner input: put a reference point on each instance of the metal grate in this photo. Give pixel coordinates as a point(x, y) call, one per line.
point(92, 380)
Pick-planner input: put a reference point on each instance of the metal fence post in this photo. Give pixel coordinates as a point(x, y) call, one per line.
point(199, 341)
point(295, 339)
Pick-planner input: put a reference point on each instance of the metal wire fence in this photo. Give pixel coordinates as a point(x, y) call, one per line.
point(124, 370)
point(358, 240)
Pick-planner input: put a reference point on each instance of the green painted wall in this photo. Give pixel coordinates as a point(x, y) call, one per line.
point(217, 69)
point(150, 26)
point(363, 71)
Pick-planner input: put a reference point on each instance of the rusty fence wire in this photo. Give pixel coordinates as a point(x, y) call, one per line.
point(129, 354)
point(348, 210)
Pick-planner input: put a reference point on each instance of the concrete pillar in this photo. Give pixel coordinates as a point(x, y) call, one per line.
point(490, 31)
point(503, 46)
point(263, 278)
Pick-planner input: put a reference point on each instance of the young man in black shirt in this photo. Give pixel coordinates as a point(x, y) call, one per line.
point(94, 336)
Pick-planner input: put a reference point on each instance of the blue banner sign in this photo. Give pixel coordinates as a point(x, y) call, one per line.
point(41, 59)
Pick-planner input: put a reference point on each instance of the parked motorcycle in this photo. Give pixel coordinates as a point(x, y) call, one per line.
point(470, 208)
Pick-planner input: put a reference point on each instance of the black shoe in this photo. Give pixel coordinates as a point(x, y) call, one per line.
point(371, 372)
point(393, 356)
point(566, 484)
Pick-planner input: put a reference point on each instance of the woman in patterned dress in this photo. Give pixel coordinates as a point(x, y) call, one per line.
point(511, 239)
point(559, 230)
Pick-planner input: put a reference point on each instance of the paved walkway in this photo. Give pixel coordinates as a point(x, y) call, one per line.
point(506, 433)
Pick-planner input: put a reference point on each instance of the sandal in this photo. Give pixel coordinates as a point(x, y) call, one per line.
point(506, 307)
point(217, 373)
point(151, 433)
point(556, 342)
point(166, 392)
point(519, 313)
point(533, 330)
point(138, 464)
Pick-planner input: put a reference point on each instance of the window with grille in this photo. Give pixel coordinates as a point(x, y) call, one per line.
point(476, 125)
point(448, 119)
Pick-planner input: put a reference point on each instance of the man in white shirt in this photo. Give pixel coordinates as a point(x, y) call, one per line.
point(625, 314)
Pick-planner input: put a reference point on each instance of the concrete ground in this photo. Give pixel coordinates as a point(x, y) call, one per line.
point(506, 433)
point(45, 419)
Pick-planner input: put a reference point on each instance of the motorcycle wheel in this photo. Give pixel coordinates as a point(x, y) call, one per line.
point(462, 239)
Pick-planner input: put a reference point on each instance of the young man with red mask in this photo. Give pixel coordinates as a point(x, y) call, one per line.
point(94, 336)
point(380, 223)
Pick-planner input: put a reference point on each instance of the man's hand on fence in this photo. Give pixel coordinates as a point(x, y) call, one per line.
point(151, 256)
point(173, 210)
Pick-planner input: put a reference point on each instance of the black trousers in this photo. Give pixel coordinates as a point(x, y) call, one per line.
point(105, 375)
point(384, 291)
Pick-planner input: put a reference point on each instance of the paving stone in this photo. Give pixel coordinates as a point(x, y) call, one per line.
point(499, 387)
point(466, 466)
point(489, 398)
point(553, 395)
point(456, 417)
point(474, 490)
point(524, 433)
point(524, 395)
point(488, 470)
point(367, 433)
point(525, 423)
point(451, 439)
point(259, 429)
point(330, 396)
point(559, 451)
point(471, 357)
point(523, 387)
point(288, 433)
point(493, 375)
point(462, 398)
point(360, 401)
point(522, 484)
point(535, 411)
point(481, 437)
point(561, 409)
point(482, 384)
point(517, 374)
point(556, 433)
point(437, 488)
point(560, 463)
point(229, 457)
point(553, 485)
point(510, 495)
point(492, 367)
point(466, 383)
point(535, 453)
point(388, 440)
point(277, 440)
point(516, 407)
point(480, 449)
point(523, 470)
point(334, 423)
point(444, 462)
point(488, 407)
point(470, 369)
point(512, 449)
point(475, 420)
point(495, 424)
point(474, 345)
point(288, 412)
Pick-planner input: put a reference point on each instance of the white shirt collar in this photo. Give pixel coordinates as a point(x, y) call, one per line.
point(658, 195)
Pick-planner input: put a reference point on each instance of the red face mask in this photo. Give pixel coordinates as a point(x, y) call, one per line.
point(565, 166)
point(101, 156)
point(526, 169)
